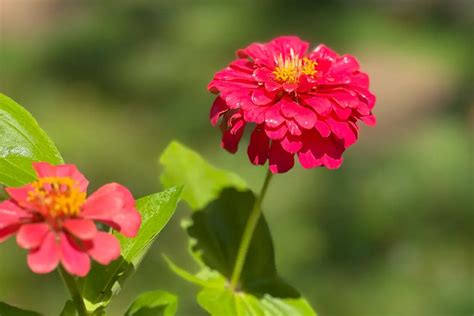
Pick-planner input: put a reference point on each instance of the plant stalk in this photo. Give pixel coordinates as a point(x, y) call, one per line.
point(248, 233)
point(76, 296)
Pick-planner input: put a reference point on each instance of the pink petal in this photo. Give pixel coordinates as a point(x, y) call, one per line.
point(321, 105)
point(46, 258)
point(11, 213)
point(280, 161)
point(258, 147)
point(291, 144)
point(20, 195)
point(105, 248)
point(276, 133)
point(343, 130)
point(273, 117)
point(83, 229)
point(259, 97)
point(8, 231)
point(230, 141)
point(218, 108)
point(303, 116)
point(30, 236)
point(75, 260)
point(114, 205)
point(323, 128)
point(44, 169)
point(323, 52)
point(369, 120)
point(289, 46)
point(319, 151)
point(293, 128)
point(347, 63)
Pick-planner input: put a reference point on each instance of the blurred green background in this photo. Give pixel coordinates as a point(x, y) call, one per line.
point(390, 233)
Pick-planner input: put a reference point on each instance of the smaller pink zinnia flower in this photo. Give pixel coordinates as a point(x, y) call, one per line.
point(56, 223)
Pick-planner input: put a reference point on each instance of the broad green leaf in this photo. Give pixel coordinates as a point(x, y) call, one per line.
point(215, 234)
point(22, 142)
point(202, 182)
point(154, 303)
point(105, 281)
point(8, 310)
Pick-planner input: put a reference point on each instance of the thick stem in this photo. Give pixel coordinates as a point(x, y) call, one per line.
point(248, 233)
point(76, 296)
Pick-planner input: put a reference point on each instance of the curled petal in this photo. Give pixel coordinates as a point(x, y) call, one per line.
point(369, 120)
point(303, 116)
point(218, 108)
point(259, 97)
point(344, 131)
point(273, 117)
point(231, 138)
point(31, 236)
point(114, 205)
point(105, 248)
point(45, 258)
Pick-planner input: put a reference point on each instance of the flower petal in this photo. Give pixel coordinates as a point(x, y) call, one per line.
point(280, 161)
point(30, 236)
point(218, 108)
point(259, 146)
point(44, 169)
point(105, 248)
point(83, 229)
point(114, 205)
point(74, 259)
point(45, 258)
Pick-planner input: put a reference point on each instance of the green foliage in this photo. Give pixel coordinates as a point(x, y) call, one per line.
point(105, 281)
point(9, 310)
point(154, 303)
point(22, 141)
point(202, 181)
point(215, 233)
point(69, 309)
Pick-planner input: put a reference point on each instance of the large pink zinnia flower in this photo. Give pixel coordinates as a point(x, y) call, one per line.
point(56, 223)
point(303, 104)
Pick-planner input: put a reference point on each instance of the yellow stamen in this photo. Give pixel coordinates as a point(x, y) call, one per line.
point(290, 69)
point(57, 196)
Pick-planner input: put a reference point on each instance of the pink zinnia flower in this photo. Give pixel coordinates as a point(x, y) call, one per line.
point(56, 223)
point(302, 104)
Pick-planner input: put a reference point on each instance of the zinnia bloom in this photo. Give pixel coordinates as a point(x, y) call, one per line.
point(53, 219)
point(302, 104)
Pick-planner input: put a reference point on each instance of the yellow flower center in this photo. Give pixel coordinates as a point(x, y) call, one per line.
point(290, 69)
point(57, 196)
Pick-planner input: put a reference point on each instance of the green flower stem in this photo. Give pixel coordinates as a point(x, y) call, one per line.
point(248, 233)
point(76, 296)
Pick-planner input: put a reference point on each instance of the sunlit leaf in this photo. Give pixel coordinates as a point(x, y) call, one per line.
point(202, 182)
point(22, 141)
point(105, 281)
point(154, 303)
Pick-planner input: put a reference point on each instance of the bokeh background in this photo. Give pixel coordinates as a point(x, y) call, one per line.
point(390, 233)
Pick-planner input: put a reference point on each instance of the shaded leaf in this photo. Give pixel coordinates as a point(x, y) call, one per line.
point(69, 309)
point(105, 281)
point(202, 182)
point(154, 303)
point(22, 141)
point(8, 310)
point(215, 233)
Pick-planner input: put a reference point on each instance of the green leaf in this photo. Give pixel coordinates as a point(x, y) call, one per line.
point(215, 234)
point(154, 303)
point(22, 141)
point(202, 182)
point(9, 310)
point(69, 309)
point(105, 281)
